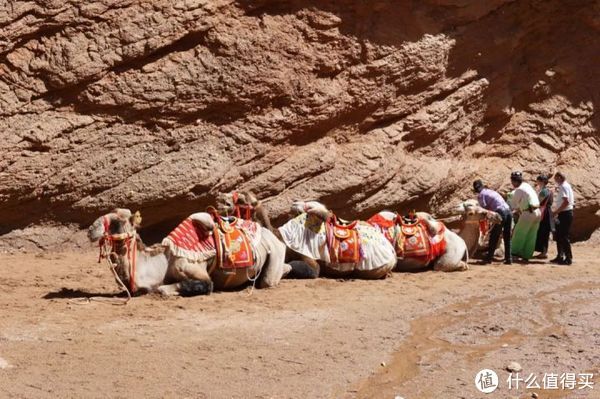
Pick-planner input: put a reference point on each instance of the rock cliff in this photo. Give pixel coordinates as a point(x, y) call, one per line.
point(159, 105)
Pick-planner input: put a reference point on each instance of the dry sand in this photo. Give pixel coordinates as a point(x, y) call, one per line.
point(419, 335)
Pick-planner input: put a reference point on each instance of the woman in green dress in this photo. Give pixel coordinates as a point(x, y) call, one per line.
point(547, 223)
point(526, 204)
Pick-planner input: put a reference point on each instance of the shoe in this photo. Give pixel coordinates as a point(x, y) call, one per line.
point(508, 261)
point(541, 256)
point(565, 262)
point(557, 260)
point(484, 262)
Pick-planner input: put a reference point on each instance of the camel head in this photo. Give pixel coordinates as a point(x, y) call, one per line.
point(121, 226)
point(226, 202)
point(120, 221)
point(472, 211)
point(311, 208)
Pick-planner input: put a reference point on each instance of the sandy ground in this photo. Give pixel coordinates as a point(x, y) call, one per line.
point(419, 335)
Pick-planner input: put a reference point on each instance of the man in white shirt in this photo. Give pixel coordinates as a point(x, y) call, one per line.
point(563, 212)
point(526, 204)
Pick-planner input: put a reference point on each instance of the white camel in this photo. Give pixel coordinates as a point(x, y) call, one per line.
point(471, 216)
point(307, 235)
point(160, 270)
point(454, 257)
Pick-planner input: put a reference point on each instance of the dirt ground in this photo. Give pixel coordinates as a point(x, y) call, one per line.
point(421, 335)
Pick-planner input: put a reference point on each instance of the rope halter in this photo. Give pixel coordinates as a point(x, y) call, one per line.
point(108, 246)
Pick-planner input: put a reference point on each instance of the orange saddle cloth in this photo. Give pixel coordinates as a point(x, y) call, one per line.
point(415, 241)
point(411, 239)
point(235, 250)
point(343, 241)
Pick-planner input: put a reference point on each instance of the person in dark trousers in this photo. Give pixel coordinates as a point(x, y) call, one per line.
point(492, 201)
point(563, 214)
point(547, 223)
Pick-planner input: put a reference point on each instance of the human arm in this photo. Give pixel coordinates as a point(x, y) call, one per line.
point(564, 203)
point(481, 200)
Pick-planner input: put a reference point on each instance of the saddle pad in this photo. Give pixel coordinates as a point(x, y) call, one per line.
point(345, 249)
point(422, 244)
point(414, 242)
point(236, 242)
point(343, 242)
point(411, 240)
point(237, 249)
point(190, 241)
point(387, 225)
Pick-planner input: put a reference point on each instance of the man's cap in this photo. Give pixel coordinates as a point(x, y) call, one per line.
point(477, 185)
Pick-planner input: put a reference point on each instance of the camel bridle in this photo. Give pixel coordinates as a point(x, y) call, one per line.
point(112, 245)
point(243, 211)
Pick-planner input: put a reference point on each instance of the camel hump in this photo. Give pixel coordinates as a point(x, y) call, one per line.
point(204, 219)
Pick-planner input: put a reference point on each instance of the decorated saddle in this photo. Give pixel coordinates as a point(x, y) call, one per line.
point(231, 242)
point(411, 237)
point(343, 241)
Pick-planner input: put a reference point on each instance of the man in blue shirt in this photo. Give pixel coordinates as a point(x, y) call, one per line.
point(492, 201)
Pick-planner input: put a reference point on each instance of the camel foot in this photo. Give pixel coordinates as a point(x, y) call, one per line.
point(195, 287)
point(460, 267)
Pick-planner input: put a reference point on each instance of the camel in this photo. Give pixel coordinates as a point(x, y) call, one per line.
point(448, 251)
point(472, 215)
point(336, 249)
point(244, 204)
point(164, 270)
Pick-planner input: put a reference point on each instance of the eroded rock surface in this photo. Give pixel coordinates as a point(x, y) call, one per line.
point(160, 105)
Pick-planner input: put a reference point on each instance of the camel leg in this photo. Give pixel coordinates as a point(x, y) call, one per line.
point(191, 278)
point(274, 267)
point(376, 274)
point(460, 267)
point(456, 256)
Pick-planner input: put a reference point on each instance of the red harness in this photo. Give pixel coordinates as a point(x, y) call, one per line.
point(242, 211)
point(107, 246)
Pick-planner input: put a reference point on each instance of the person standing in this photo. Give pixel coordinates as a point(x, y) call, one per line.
point(526, 204)
point(564, 202)
point(492, 201)
point(547, 222)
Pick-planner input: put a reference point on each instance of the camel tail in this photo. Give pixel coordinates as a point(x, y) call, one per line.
point(195, 287)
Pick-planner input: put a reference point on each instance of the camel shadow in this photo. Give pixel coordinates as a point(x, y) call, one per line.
point(68, 293)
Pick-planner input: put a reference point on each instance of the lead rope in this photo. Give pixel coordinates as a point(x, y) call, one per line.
point(105, 251)
point(250, 289)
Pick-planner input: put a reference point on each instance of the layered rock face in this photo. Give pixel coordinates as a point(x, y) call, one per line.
point(159, 105)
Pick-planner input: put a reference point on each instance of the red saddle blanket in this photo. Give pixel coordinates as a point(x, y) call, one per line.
point(343, 242)
point(234, 246)
point(412, 240)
